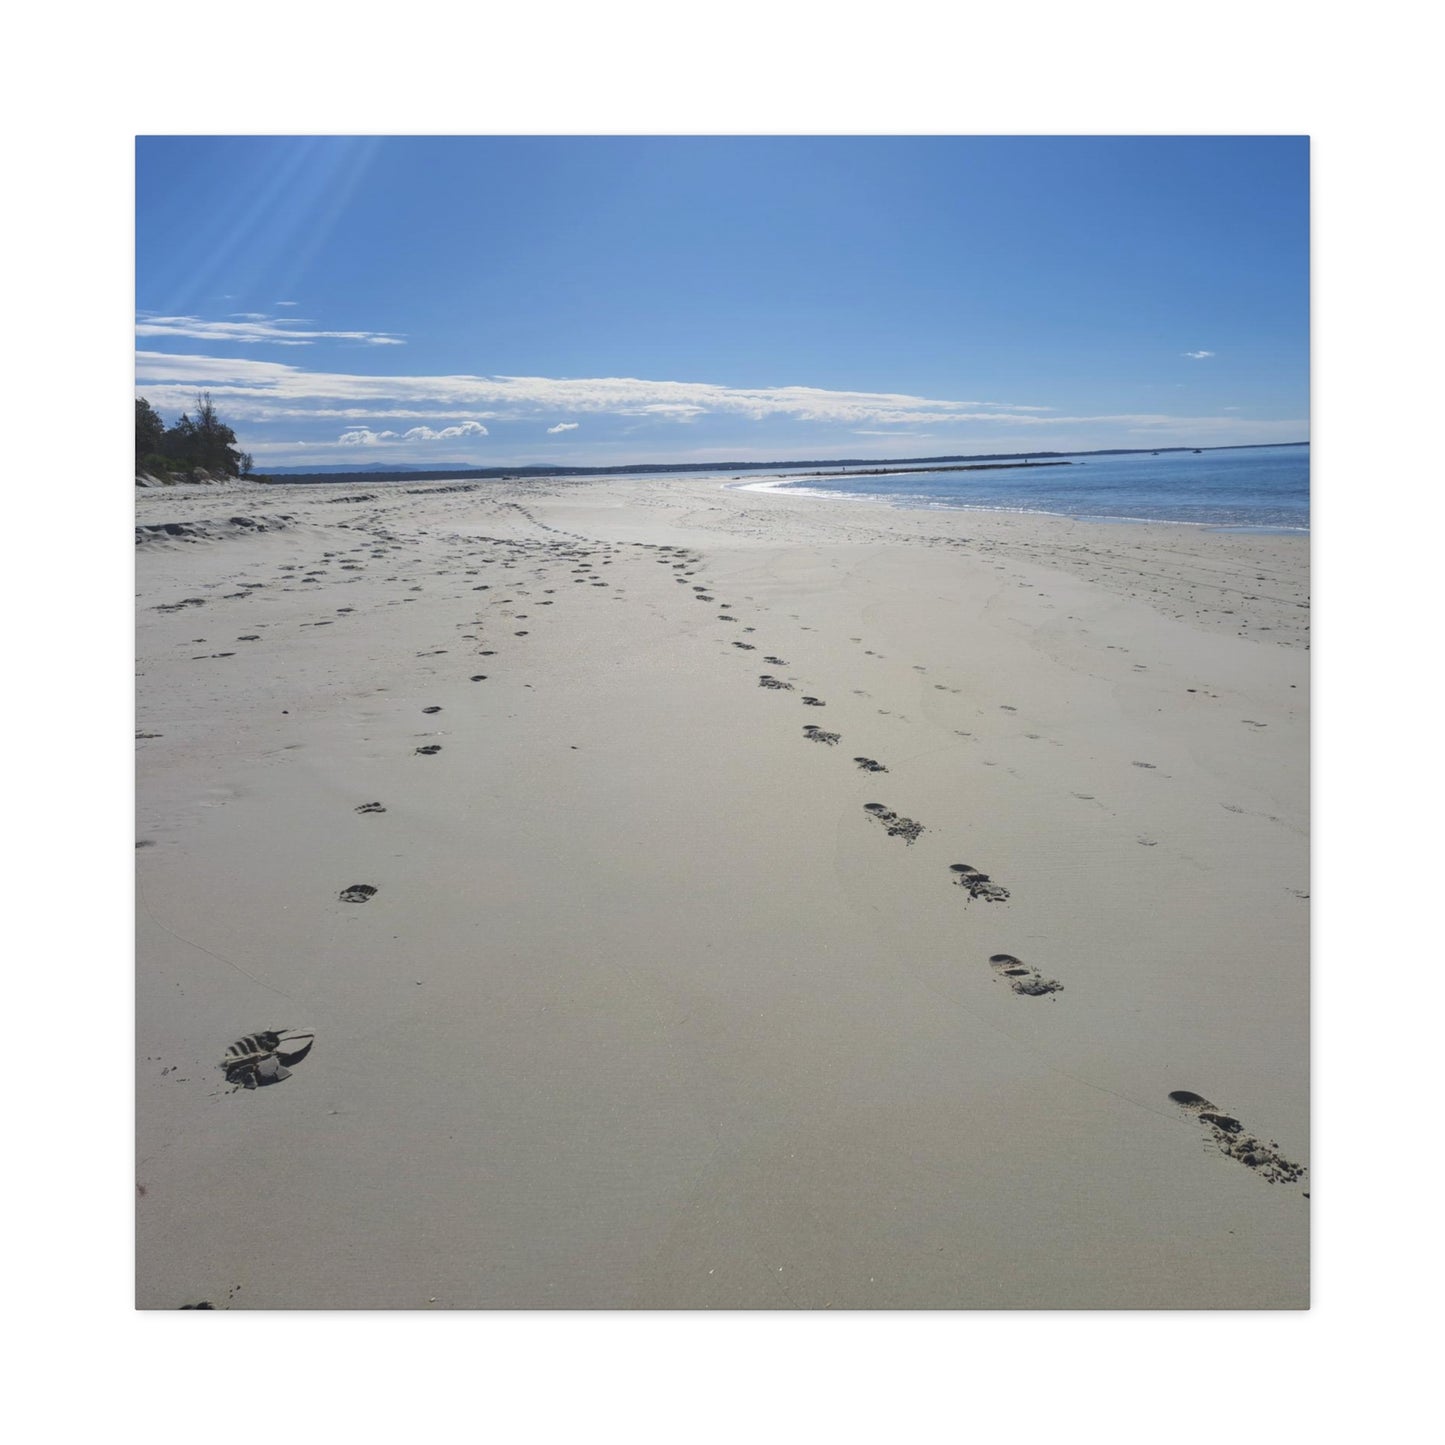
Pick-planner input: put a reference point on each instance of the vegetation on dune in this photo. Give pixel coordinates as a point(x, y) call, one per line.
point(194, 445)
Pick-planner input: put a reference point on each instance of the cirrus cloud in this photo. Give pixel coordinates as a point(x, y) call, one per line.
point(271, 383)
point(253, 327)
point(415, 417)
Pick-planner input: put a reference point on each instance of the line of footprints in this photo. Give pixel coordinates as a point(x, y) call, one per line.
point(1224, 1131)
point(1021, 977)
point(509, 552)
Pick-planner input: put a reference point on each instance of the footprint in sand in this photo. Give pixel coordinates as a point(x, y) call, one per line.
point(768, 680)
point(370, 808)
point(870, 765)
point(978, 885)
point(431, 709)
point(897, 827)
point(357, 893)
point(479, 677)
point(777, 661)
point(746, 646)
point(430, 749)
point(1022, 978)
point(262, 1058)
point(1233, 1139)
point(816, 734)
point(814, 702)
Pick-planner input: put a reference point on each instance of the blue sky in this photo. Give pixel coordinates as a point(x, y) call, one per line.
point(487, 301)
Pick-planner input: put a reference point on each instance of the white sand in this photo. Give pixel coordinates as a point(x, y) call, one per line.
point(647, 1011)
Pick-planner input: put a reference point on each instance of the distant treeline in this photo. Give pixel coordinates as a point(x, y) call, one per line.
point(474, 474)
point(200, 443)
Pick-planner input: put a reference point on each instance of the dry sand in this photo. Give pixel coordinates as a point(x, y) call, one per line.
point(648, 1010)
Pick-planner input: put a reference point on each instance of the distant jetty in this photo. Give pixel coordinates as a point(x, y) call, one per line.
point(968, 467)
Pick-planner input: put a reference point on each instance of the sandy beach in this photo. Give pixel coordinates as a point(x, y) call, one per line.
point(779, 902)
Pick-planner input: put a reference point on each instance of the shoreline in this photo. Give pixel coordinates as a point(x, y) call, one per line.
point(786, 486)
point(653, 1007)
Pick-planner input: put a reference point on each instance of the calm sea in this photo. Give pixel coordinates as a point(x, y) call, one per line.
point(1254, 487)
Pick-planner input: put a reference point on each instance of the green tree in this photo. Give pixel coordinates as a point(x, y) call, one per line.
point(179, 443)
point(203, 443)
point(215, 441)
point(150, 430)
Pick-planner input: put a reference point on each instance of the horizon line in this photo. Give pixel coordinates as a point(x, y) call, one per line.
point(452, 469)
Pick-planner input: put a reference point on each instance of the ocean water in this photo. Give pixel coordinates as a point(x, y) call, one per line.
point(1264, 488)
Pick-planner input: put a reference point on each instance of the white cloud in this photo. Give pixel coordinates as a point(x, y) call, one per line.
point(255, 328)
point(426, 434)
point(1197, 355)
point(363, 437)
point(666, 411)
point(358, 413)
point(249, 389)
point(272, 382)
point(286, 303)
point(562, 426)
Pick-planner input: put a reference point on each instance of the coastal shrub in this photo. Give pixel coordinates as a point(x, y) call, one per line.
point(203, 443)
point(150, 431)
